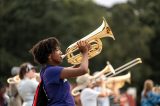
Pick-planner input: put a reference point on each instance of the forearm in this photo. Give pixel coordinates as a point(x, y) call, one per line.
point(84, 63)
point(76, 70)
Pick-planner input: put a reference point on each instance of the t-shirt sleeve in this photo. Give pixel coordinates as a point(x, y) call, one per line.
point(52, 74)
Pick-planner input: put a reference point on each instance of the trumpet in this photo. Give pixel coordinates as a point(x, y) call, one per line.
point(93, 39)
point(108, 68)
point(109, 72)
point(14, 80)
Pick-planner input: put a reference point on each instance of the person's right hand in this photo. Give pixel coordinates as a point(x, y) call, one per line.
point(83, 46)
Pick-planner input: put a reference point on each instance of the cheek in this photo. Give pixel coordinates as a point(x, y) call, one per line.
point(31, 73)
point(53, 57)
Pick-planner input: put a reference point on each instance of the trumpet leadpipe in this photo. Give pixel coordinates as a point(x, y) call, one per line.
point(75, 47)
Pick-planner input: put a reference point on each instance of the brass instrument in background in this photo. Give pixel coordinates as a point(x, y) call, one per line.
point(118, 81)
point(120, 69)
point(76, 91)
point(108, 68)
point(109, 72)
point(16, 79)
point(93, 39)
point(124, 67)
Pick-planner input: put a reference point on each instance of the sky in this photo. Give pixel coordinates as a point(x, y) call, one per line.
point(109, 3)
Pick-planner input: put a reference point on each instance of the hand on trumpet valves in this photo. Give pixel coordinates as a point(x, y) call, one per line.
point(83, 46)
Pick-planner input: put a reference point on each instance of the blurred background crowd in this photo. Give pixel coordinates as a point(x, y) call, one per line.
point(96, 89)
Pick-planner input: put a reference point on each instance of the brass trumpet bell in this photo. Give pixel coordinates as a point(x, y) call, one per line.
point(81, 79)
point(14, 80)
point(93, 39)
point(118, 80)
point(107, 69)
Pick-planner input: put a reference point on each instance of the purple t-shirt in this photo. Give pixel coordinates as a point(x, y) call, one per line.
point(57, 89)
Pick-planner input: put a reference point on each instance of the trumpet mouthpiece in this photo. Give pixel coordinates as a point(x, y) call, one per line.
point(63, 56)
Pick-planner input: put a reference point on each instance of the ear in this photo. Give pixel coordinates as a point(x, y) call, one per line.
point(50, 58)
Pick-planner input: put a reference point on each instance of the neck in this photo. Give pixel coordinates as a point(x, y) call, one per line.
point(51, 63)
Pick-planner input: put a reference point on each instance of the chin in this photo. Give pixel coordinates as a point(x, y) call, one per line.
point(59, 62)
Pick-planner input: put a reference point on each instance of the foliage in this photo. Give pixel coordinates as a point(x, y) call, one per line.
point(23, 23)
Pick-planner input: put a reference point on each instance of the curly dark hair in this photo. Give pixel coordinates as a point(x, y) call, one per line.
point(43, 48)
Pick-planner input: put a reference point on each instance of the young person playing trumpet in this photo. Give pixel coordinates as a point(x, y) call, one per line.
point(88, 95)
point(48, 54)
point(101, 85)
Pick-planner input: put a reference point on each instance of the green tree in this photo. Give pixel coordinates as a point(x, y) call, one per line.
point(23, 23)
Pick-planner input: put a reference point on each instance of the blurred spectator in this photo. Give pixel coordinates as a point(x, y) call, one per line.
point(127, 99)
point(4, 99)
point(15, 99)
point(27, 86)
point(156, 89)
point(15, 70)
point(148, 97)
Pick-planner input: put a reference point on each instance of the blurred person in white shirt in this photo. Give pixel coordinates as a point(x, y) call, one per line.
point(88, 95)
point(27, 86)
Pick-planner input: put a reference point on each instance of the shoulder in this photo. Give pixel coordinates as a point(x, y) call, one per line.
point(51, 71)
point(54, 68)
